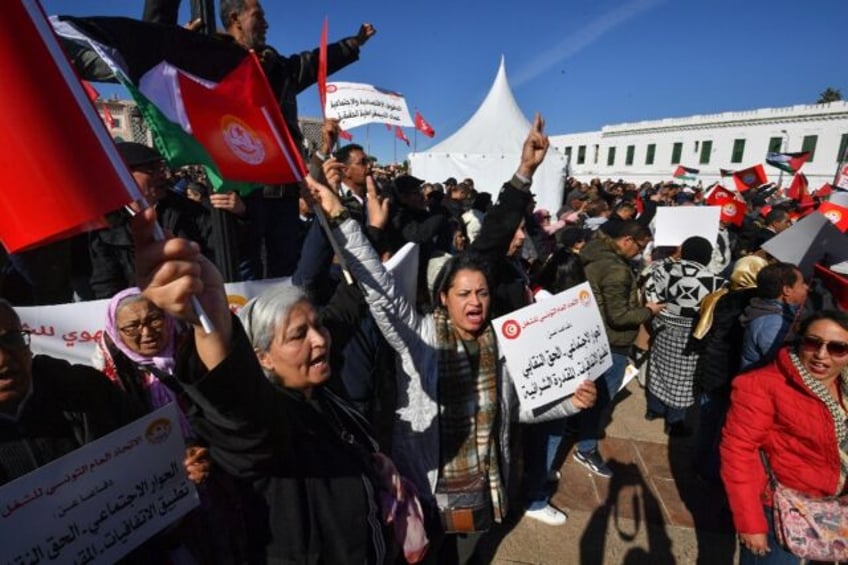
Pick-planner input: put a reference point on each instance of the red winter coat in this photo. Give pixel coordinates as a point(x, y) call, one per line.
point(773, 409)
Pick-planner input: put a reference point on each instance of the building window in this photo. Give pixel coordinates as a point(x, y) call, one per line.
point(738, 151)
point(649, 156)
point(810, 145)
point(843, 145)
point(581, 154)
point(611, 157)
point(676, 150)
point(567, 151)
point(706, 150)
point(116, 123)
point(775, 143)
point(597, 151)
point(631, 150)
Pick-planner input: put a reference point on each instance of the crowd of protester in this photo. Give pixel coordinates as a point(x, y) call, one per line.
point(325, 407)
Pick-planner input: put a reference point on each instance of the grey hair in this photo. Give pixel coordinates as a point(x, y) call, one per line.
point(228, 7)
point(132, 299)
point(262, 315)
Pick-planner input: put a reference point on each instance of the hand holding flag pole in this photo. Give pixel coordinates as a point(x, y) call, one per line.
point(159, 235)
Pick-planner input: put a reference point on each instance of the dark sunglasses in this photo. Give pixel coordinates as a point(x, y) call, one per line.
point(834, 348)
point(14, 340)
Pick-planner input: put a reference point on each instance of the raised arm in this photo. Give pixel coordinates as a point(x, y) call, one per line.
point(173, 271)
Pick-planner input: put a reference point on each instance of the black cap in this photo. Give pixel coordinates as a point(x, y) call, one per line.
point(451, 181)
point(137, 154)
point(407, 183)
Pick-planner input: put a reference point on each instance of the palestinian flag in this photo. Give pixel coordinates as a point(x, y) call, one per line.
point(751, 177)
point(788, 162)
point(725, 172)
point(205, 100)
point(686, 173)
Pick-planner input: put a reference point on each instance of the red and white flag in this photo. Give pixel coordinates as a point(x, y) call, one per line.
point(401, 136)
point(86, 178)
point(838, 215)
point(239, 124)
point(422, 125)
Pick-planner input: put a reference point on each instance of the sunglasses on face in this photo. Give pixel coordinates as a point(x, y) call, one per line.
point(834, 348)
point(14, 340)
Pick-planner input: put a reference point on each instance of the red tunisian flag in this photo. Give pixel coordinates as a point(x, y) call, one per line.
point(838, 215)
point(54, 186)
point(322, 68)
point(422, 125)
point(751, 177)
point(718, 195)
point(239, 123)
point(401, 136)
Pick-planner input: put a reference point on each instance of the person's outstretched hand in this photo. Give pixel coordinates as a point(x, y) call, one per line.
point(366, 32)
point(320, 195)
point(534, 149)
point(170, 273)
point(378, 207)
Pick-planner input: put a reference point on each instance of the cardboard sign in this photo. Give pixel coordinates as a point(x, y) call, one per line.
point(675, 224)
point(812, 240)
point(98, 503)
point(552, 346)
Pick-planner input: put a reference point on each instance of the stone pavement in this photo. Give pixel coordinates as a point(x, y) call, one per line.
point(653, 510)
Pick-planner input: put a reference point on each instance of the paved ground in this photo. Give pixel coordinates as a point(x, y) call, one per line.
point(653, 510)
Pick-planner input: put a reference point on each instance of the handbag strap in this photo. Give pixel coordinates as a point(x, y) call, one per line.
point(769, 471)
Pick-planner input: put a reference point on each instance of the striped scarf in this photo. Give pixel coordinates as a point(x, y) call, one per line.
point(468, 410)
point(840, 421)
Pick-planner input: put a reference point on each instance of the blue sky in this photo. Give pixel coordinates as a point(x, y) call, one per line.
point(582, 64)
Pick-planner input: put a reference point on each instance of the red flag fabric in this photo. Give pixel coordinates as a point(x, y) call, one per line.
point(733, 212)
point(719, 195)
point(388, 127)
point(422, 125)
point(401, 136)
point(93, 95)
point(239, 123)
point(90, 91)
point(751, 177)
point(838, 215)
point(799, 189)
point(345, 135)
point(86, 178)
point(322, 68)
point(824, 190)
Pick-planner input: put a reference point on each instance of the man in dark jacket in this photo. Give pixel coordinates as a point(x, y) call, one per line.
point(49, 407)
point(273, 210)
point(111, 249)
point(606, 260)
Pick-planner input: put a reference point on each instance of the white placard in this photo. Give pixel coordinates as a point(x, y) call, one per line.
point(404, 267)
point(674, 224)
point(70, 331)
point(355, 104)
point(552, 346)
point(98, 503)
point(842, 177)
point(840, 198)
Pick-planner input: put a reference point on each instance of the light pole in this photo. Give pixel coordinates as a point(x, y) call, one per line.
point(783, 149)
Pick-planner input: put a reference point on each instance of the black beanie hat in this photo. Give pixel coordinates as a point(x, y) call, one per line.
point(697, 249)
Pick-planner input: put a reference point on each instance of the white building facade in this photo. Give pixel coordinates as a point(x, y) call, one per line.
point(652, 150)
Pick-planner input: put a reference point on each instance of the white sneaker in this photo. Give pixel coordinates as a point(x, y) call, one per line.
point(547, 515)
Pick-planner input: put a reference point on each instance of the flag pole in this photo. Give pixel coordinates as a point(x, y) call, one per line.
point(368, 139)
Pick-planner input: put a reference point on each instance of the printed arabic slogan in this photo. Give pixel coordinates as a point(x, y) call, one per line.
point(355, 104)
point(553, 346)
point(100, 502)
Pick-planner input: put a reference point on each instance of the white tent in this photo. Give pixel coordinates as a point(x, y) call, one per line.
point(488, 149)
